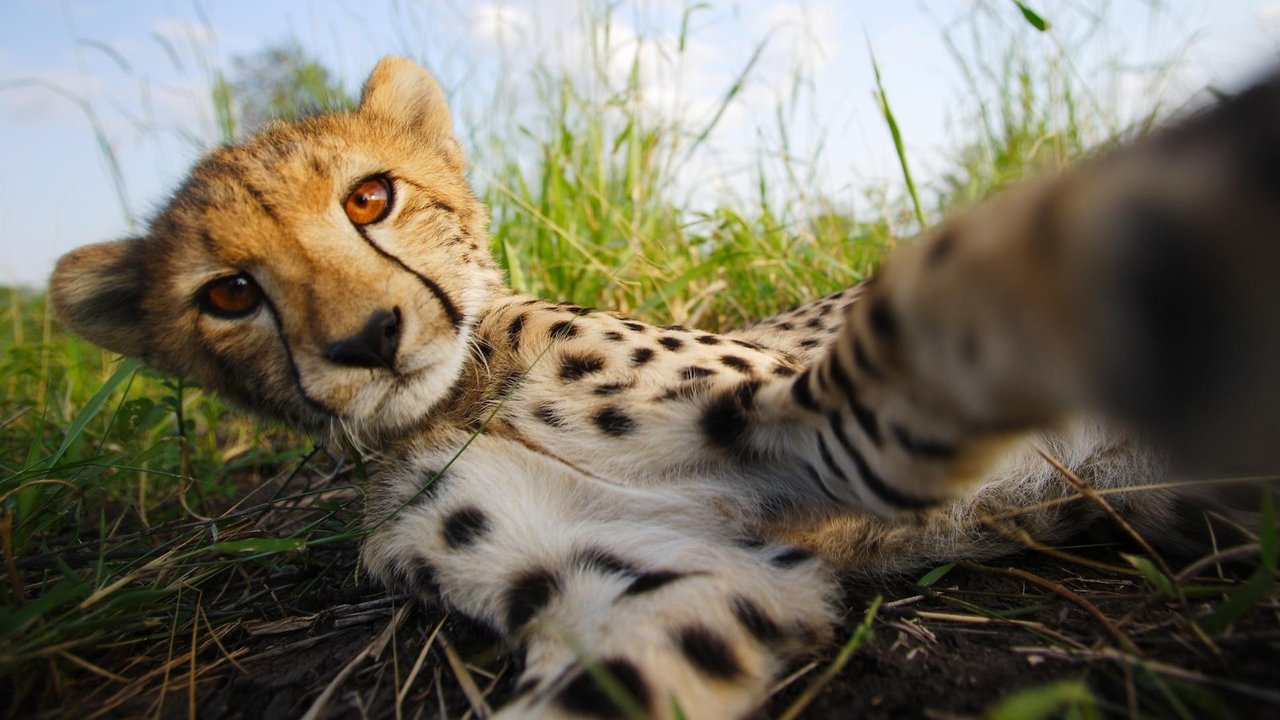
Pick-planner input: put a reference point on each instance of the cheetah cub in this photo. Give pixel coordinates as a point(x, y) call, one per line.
point(671, 505)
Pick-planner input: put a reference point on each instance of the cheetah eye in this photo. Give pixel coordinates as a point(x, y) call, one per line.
point(233, 296)
point(369, 202)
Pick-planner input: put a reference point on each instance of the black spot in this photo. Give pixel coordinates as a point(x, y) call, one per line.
point(527, 685)
point(708, 339)
point(671, 343)
point(641, 355)
point(583, 695)
point(809, 343)
point(821, 378)
point(564, 330)
point(791, 557)
point(835, 369)
point(676, 328)
point(464, 526)
point(675, 393)
point(513, 329)
point(921, 447)
point(548, 414)
point(816, 479)
point(693, 372)
point(432, 482)
point(575, 309)
point(747, 344)
point(724, 420)
point(603, 561)
point(814, 323)
point(634, 326)
point(418, 578)
point(528, 595)
point(760, 625)
point(870, 480)
point(890, 496)
point(650, 581)
point(485, 347)
point(863, 361)
point(883, 321)
point(612, 421)
point(708, 652)
point(866, 420)
point(612, 388)
point(573, 366)
point(940, 248)
point(825, 453)
point(613, 336)
point(801, 393)
point(783, 370)
point(1171, 353)
point(508, 383)
point(737, 363)
point(825, 308)
point(787, 326)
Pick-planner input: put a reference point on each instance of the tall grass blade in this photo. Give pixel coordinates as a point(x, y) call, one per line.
point(738, 83)
point(1259, 585)
point(860, 636)
point(91, 409)
point(1032, 17)
point(882, 99)
point(934, 575)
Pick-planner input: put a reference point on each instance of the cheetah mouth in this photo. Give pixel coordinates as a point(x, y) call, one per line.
point(400, 384)
point(404, 378)
point(392, 399)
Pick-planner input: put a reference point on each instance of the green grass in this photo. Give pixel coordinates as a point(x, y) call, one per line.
point(146, 525)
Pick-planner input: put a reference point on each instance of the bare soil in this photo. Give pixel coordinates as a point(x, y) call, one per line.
point(305, 631)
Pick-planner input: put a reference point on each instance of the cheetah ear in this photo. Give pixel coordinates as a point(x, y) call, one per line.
point(98, 292)
point(400, 89)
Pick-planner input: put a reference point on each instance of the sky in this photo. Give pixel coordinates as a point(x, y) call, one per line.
point(82, 80)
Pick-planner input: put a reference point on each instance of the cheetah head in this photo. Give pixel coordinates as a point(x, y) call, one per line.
point(326, 272)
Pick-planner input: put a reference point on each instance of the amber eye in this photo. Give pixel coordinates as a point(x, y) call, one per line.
point(231, 297)
point(370, 201)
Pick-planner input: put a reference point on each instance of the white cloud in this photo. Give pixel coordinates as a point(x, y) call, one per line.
point(498, 24)
point(803, 34)
point(1269, 13)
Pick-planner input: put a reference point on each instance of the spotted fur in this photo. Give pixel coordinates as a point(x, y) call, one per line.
point(674, 503)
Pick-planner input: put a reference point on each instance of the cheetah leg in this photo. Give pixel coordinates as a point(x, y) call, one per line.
point(646, 589)
point(1142, 285)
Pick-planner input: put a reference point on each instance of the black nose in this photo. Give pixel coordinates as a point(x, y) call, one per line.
point(374, 346)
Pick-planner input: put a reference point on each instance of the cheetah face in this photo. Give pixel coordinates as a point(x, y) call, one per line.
point(324, 272)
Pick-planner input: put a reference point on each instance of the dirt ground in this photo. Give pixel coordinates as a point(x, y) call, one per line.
point(923, 660)
point(305, 633)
